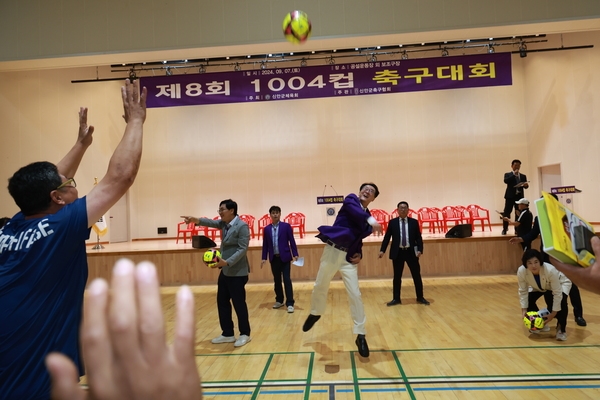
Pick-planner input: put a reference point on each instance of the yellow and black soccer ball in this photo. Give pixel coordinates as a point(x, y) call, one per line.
point(212, 257)
point(296, 27)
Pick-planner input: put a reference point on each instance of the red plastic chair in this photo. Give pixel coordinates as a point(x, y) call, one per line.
point(478, 213)
point(427, 215)
point(411, 214)
point(183, 228)
point(296, 220)
point(200, 230)
point(249, 219)
point(451, 214)
point(213, 232)
point(464, 214)
point(262, 222)
point(382, 217)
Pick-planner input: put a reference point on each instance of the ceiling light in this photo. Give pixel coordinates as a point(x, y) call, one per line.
point(523, 50)
point(491, 49)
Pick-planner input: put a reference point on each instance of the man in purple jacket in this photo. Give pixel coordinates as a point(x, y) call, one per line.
point(342, 253)
point(280, 248)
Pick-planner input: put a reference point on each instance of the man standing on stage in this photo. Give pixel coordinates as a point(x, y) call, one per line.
point(407, 246)
point(516, 183)
point(342, 253)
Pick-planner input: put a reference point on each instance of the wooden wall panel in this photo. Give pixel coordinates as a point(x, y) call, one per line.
point(442, 257)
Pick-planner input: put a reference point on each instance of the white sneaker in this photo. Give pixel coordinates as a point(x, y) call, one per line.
point(223, 339)
point(242, 340)
point(277, 305)
point(290, 309)
point(537, 331)
point(562, 336)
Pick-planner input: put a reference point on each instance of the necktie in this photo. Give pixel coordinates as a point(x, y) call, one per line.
point(403, 243)
point(226, 230)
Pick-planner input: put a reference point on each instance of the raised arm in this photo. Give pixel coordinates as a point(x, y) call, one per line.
point(125, 161)
point(70, 162)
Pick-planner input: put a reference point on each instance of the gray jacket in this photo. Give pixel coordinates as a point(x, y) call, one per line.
point(234, 246)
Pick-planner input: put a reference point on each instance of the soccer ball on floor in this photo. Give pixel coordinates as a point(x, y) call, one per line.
point(533, 321)
point(296, 27)
point(212, 257)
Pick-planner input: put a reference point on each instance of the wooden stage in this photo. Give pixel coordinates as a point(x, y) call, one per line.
point(486, 253)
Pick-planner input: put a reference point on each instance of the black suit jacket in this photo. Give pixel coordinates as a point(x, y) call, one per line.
point(511, 180)
point(393, 232)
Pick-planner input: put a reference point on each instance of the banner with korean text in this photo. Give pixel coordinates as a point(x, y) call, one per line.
point(336, 80)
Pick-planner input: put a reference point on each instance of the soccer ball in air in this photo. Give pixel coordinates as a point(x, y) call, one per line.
point(533, 321)
point(212, 257)
point(296, 27)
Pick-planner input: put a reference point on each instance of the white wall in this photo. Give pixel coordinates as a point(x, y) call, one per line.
point(428, 148)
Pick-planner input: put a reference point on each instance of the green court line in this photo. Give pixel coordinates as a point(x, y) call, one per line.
point(354, 376)
point(597, 346)
point(262, 377)
point(311, 364)
point(406, 382)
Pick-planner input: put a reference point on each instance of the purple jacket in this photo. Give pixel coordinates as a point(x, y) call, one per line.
point(350, 227)
point(285, 241)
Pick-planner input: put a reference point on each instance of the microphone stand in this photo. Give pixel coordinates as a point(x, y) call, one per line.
point(98, 246)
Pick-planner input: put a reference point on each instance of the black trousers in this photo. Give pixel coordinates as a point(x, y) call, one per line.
point(509, 205)
point(574, 294)
point(412, 260)
point(232, 289)
point(575, 297)
point(561, 316)
point(279, 269)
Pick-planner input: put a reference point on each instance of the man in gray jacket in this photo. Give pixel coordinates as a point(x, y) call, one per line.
point(231, 286)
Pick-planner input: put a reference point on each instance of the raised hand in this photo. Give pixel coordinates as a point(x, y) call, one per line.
point(134, 101)
point(85, 131)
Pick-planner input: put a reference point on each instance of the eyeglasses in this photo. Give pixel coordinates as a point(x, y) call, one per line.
point(68, 183)
point(369, 190)
point(221, 210)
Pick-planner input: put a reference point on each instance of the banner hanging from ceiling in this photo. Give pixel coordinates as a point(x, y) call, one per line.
point(337, 80)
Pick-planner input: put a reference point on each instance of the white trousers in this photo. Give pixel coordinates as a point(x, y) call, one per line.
point(332, 261)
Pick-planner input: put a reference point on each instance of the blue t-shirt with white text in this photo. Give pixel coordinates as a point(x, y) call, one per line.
point(43, 273)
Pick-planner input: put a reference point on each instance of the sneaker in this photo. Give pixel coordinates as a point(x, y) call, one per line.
point(290, 309)
point(538, 331)
point(242, 340)
point(223, 339)
point(277, 305)
point(562, 336)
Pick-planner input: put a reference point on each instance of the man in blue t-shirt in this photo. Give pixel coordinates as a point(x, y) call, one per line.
point(43, 264)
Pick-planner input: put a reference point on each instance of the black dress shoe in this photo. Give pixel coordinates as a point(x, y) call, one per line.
point(423, 300)
point(580, 321)
point(394, 303)
point(310, 321)
point(363, 347)
point(504, 232)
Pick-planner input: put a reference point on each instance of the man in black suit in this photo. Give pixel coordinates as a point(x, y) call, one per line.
point(512, 193)
point(407, 246)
